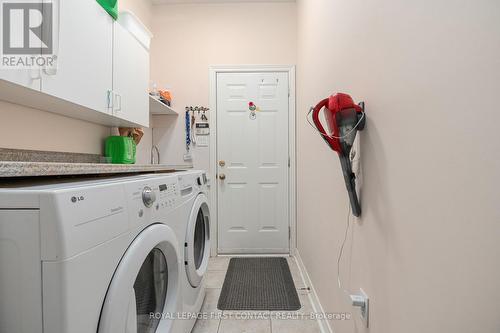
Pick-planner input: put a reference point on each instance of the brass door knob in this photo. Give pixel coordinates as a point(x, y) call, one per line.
point(222, 176)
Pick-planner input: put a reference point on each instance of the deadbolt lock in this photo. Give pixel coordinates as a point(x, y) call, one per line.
point(222, 163)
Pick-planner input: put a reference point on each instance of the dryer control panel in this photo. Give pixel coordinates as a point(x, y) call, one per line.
point(168, 193)
point(151, 197)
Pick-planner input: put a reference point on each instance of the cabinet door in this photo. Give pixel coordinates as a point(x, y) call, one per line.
point(130, 77)
point(84, 56)
point(25, 77)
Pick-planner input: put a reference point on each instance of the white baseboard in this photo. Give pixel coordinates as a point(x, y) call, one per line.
point(313, 296)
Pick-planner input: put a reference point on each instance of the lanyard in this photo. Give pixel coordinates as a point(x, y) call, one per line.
point(188, 130)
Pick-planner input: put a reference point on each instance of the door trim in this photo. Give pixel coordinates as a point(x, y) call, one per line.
point(292, 195)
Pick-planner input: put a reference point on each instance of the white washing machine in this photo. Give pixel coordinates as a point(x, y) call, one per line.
point(91, 256)
point(194, 234)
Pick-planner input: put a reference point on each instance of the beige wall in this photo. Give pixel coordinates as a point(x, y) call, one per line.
point(190, 38)
point(26, 128)
point(427, 248)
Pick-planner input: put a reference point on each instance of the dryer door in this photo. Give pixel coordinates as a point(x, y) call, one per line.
point(197, 245)
point(143, 296)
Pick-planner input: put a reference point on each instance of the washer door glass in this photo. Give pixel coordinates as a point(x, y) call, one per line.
point(150, 288)
point(143, 294)
point(199, 239)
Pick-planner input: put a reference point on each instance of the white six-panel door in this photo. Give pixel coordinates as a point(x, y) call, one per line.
point(252, 163)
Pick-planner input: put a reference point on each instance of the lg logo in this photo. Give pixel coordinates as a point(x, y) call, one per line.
point(27, 28)
point(77, 199)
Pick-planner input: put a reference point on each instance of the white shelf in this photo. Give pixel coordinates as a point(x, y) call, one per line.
point(157, 107)
point(36, 99)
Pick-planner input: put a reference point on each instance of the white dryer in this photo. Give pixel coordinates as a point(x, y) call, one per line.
point(194, 233)
point(90, 256)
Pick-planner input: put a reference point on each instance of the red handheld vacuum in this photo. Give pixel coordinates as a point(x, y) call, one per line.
point(344, 118)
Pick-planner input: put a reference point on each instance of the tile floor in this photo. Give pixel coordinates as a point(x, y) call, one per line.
point(252, 321)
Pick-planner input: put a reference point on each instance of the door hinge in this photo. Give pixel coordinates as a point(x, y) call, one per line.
point(289, 233)
point(288, 161)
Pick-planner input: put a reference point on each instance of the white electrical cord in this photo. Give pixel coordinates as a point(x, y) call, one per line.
point(353, 158)
point(341, 252)
point(333, 136)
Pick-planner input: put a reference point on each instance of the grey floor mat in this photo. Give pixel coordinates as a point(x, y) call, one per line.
point(259, 284)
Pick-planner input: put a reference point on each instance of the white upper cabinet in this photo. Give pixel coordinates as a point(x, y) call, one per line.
point(102, 66)
point(84, 56)
point(130, 77)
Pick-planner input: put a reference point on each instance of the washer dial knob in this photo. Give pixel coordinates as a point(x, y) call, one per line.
point(148, 196)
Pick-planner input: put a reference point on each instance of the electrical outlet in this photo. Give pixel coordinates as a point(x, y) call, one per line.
point(365, 311)
point(362, 301)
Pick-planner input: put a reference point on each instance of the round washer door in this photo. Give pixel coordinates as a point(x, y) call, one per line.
point(197, 245)
point(144, 290)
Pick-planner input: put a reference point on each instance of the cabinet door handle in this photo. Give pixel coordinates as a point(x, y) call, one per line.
point(110, 99)
point(118, 99)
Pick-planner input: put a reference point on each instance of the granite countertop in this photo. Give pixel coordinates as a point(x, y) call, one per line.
point(32, 169)
point(25, 163)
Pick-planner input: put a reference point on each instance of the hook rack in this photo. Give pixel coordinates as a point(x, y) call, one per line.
point(197, 109)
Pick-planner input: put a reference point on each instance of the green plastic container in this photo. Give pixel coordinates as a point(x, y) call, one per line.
point(111, 6)
point(120, 149)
